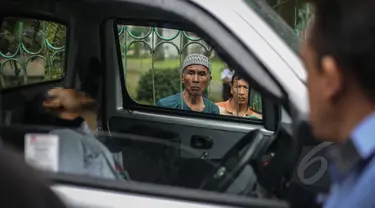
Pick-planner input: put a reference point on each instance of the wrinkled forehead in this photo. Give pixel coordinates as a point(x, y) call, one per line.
point(196, 68)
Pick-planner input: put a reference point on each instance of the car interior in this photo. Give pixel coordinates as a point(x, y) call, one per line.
point(160, 146)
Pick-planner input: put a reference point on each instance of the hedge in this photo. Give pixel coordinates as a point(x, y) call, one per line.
point(167, 82)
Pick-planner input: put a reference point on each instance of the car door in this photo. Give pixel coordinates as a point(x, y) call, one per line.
point(141, 85)
point(78, 192)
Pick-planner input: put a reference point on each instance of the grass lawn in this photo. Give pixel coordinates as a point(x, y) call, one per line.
point(135, 67)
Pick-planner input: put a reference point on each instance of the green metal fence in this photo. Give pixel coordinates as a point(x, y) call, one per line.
point(152, 40)
point(31, 51)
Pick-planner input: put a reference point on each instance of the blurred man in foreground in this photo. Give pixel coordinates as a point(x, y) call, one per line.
point(21, 186)
point(339, 56)
point(238, 104)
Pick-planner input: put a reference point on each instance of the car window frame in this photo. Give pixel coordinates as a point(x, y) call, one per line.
point(112, 61)
point(43, 14)
point(129, 104)
point(110, 56)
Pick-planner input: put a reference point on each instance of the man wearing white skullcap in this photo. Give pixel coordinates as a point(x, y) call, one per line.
point(196, 76)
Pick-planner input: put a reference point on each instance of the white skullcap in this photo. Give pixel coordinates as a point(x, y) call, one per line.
point(196, 59)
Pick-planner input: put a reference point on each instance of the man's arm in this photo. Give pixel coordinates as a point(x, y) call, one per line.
point(91, 118)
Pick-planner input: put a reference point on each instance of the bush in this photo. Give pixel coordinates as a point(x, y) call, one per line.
point(167, 82)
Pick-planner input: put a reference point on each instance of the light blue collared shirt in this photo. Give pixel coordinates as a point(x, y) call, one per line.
point(356, 188)
point(81, 153)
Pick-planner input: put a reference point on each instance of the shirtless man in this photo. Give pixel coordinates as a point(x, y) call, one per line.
point(238, 105)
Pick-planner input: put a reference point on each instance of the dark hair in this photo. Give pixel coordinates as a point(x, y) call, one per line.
point(345, 30)
point(239, 77)
point(36, 114)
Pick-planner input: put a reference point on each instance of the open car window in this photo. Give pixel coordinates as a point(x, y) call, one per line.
point(160, 67)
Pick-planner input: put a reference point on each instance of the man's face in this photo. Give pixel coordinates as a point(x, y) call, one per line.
point(195, 78)
point(324, 84)
point(240, 91)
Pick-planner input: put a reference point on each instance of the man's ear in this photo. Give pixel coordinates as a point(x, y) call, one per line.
point(333, 78)
point(208, 83)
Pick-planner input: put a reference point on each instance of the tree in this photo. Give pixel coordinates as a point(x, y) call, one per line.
point(166, 82)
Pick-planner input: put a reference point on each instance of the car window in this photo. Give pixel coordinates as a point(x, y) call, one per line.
point(175, 69)
point(31, 51)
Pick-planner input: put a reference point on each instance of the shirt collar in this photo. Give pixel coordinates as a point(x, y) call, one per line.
point(359, 147)
point(363, 136)
point(181, 101)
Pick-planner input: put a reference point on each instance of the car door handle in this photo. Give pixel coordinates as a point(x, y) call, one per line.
point(201, 142)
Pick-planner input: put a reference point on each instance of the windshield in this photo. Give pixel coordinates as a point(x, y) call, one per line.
point(262, 8)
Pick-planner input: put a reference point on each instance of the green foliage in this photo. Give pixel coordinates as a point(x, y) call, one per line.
point(167, 82)
point(55, 70)
point(256, 101)
point(56, 36)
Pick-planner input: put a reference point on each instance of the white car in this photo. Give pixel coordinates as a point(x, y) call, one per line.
point(92, 45)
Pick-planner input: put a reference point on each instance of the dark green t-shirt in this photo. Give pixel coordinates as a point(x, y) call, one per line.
point(176, 102)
